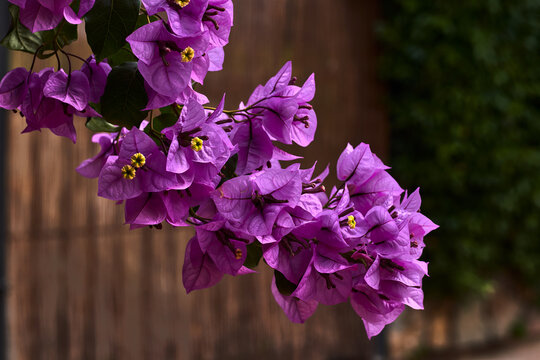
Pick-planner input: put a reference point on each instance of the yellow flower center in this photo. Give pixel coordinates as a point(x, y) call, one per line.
point(128, 172)
point(238, 254)
point(138, 160)
point(182, 3)
point(351, 221)
point(196, 144)
point(187, 54)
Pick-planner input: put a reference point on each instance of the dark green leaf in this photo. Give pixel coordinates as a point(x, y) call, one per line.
point(124, 96)
point(284, 286)
point(159, 123)
point(18, 36)
point(230, 167)
point(65, 34)
point(121, 56)
point(21, 39)
point(163, 121)
point(101, 125)
point(254, 254)
point(170, 110)
point(109, 23)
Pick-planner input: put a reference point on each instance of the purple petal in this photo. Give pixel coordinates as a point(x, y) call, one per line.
point(356, 164)
point(72, 90)
point(169, 80)
point(255, 147)
point(176, 158)
point(71, 17)
point(281, 184)
point(281, 79)
point(91, 168)
point(298, 311)
point(13, 88)
point(38, 18)
point(146, 209)
point(177, 208)
point(143, 41)
point(97, 74)
point(113, 186)
point(85, 6)
point(198, 271)
point(375, 312)
point(301, 134)
point(216, 57)
point(136, 141)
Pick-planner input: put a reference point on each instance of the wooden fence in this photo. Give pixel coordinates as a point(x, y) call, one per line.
point(82, 286)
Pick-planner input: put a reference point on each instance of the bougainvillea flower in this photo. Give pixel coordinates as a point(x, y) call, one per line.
point(145, 209)
point(185, 16)
point(254, 202)
point(376, 312)
point(91, 168)
point(72, 89)
point(298, 311)
point(43, 112)
point(379, 189)
point(97, 77)
point(254, 146)
point(290, 258)
point(76, 18)
point(327, 288)
point(37, 17)
point(199, 270)
point(284, 109)
point(218, 20)
point(167, 60)
point(197, 143)
point(139, 167)
point(225, 248)
point(13, 88)
point(356, 165)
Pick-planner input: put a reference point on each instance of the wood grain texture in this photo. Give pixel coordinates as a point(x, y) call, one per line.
point(82, 286)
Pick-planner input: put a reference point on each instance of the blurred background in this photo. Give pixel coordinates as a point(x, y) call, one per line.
point(447, 93)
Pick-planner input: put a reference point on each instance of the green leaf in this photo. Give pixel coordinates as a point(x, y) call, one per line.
point(124, 96)
point(109, 23)
point(230, 167)
point(169, 109)
point(121, 56)
point(21, 39)
point(254, 254)
point(18, 36)
point(65, 34)
point(159, 123)
point(284, 286)
point(101, 125)
point(164, 121)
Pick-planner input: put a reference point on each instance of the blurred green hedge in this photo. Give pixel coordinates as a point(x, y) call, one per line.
point(463, 80)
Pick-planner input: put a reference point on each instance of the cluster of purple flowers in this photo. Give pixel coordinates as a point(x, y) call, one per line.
point(176, 53)
point(221, 171)
point(49, 99)
point(361, 242)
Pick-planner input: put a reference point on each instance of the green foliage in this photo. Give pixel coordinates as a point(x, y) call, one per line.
point(96, 124)
point(124, 96)
point(22, 39)
point(164, 121)
point(464, 99)
point(109, 23)
point(254, 255)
